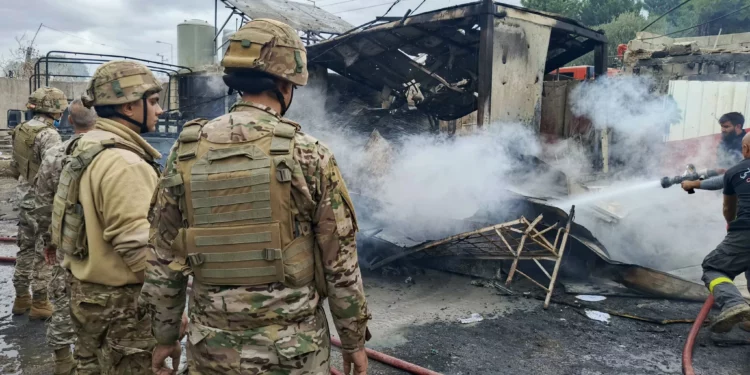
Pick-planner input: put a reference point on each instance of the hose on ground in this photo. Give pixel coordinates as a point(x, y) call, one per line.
point(8, 239)
point(392, 361)
point(7, 260)
point(335, 371)
point(687, 351)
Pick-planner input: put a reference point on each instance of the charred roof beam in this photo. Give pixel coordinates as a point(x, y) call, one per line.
point(419, 66)
point(570, 55)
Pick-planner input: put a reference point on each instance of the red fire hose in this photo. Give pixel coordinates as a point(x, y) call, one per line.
point(393, 361)
point(8, 239)
point(336, 372)
point(687, 351)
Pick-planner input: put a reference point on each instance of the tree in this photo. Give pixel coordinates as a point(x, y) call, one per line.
point(707, 10)
point(589, 12)
point(567, 8)
point(697, 12)
point(620, 31)
point(659, 7)
point(20, 61)
point(599, 12)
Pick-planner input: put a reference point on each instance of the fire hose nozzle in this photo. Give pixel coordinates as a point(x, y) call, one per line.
point(666, 182)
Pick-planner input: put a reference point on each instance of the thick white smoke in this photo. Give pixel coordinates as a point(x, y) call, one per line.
point(435, 180)
point(430, 181)
point(666, 229)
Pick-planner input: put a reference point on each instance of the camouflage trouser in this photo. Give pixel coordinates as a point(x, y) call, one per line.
point(109, 333)
point(300, 349)
point(31, 269)
point(60, 332)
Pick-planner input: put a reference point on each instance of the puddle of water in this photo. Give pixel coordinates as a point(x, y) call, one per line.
point(9, 361)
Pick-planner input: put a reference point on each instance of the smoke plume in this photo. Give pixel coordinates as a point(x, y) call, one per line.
point(429, 183)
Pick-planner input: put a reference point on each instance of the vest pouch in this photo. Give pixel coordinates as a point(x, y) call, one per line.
point(299, 262)
point(74, 233)
point(236, 255)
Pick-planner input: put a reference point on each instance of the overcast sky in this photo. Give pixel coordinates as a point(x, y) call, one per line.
point(132, 27)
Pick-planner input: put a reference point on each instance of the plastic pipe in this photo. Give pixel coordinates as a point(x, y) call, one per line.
point(393, 361)
point(687, 351)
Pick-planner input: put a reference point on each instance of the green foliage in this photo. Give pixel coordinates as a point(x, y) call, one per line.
point(567, 8)
point(589, 12)
point(599, 12)
point(698, 12)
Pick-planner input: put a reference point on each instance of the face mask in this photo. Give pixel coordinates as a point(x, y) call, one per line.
point(56, 123)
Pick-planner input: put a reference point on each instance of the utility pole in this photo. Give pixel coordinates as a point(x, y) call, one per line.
point(171, 54)
point(162, 57)
point(30, 49)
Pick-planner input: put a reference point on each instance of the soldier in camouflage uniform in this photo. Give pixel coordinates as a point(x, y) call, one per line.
point(100, 220)
point(60, 332)
point(30, 141)
point(258, 213)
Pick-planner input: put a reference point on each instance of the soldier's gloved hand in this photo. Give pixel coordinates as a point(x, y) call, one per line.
point(358, 359)
point(159, 356)
point(50, 255)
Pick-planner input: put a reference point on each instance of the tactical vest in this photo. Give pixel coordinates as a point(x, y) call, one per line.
point(23, 144)
point(68, 225)
point(237, 211)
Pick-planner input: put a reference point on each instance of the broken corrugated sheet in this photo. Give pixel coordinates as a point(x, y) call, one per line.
point(585, 257)
point(301, 16)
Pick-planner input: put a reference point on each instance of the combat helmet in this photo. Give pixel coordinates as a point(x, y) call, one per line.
point(121, 82)
point(268, 46)
point(47, 100)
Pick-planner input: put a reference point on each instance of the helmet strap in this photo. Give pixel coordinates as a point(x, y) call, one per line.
point(282, 101)
point(141, 125)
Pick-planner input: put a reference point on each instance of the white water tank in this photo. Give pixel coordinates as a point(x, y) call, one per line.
point(195, 43)
point(225, 42)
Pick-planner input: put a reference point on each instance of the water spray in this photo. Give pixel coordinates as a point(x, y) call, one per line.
point(690, 174)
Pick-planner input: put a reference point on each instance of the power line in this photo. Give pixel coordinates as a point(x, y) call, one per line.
point(93, 42)
point(418, 6)
point(340, 2)
point(704, 23)
point(392, 5)
point(665, 14)
point(367, 7)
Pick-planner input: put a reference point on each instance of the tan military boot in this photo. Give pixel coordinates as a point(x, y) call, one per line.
point(731, 317)
point(64, 362)
point(40, 309)
point(22, 304)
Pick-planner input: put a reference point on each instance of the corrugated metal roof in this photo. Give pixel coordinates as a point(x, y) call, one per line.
point(303, 17)
point(702, 103)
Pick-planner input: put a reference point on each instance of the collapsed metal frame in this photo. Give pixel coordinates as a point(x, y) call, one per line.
point(349, 54)
point(307, 36)
point(170, 70)
point(514, 240)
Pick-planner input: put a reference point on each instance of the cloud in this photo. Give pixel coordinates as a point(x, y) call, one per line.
point(132, 27)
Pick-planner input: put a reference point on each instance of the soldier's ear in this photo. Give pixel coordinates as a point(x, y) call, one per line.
point(285, 87)
point(129, 109)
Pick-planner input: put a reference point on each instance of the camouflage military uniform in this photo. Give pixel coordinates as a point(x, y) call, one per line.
point(99, 222)
point(29, 262)
point(60, 332)
point(272, 328)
